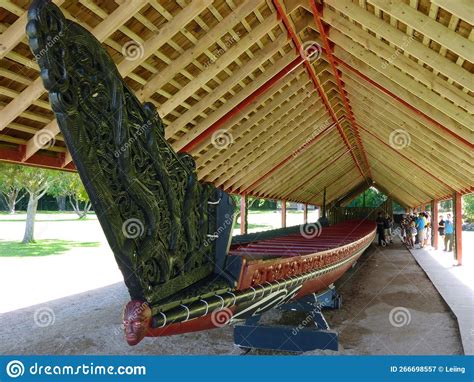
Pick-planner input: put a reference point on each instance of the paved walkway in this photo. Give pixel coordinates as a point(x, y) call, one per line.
point(456, 286)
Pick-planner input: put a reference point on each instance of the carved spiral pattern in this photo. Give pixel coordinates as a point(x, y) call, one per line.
point(129, 170)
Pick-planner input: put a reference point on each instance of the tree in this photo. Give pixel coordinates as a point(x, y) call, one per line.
point(468, 207)
point(446, 205)
point(251, 201)
point(10, 187)
point(70, 185)
point(36, 181)
point(370, 198)
point(77, 195)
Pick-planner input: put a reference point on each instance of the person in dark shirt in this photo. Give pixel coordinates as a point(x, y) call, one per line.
point(387, 225)
point(380, 228)
point(441, 226)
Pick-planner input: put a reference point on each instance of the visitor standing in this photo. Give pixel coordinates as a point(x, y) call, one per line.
point(380, 228)
point(420, 228)
point(441, 227)
point(448, 234)
point(387, 225)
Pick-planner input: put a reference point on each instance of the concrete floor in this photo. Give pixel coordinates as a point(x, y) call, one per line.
point(389, 307)
point(456, 286)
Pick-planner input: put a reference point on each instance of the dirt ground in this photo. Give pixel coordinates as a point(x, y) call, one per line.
point(380, 285)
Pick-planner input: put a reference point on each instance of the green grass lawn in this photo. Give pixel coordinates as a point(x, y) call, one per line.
point(251, 226)
point(45, 220)
point(40, 247)
point(21, 212)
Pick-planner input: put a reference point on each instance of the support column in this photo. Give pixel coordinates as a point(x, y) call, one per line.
point(434, 223)
point(457, 209)
point(283, 213)
point(305, 214)
point(324, 204)
point(243, 214)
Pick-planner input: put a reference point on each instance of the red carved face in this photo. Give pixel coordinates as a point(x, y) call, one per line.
point(136, 321)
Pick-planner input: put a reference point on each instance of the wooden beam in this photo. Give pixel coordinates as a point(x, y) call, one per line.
point(243, 214)
point(314, 173)
point(305, 167)
point(283, 213)
point(459, 8)
point(398, 38)
point(259, 58)
point(430, 28)
point(158, 80)
point(407, 158)
point(274, 112)
point(305, 213)
point(306, 145)
point(437, 163)
point(393, 57)
point(434, 223)
point(340, 85)
point(312, 74)
point(270, 157)
point(260, 86)
point(36, 89)
point(394, 114)
point(388, 87)
point(16, 32)
point(403, 86)
point(457, 209)
point(167, 31)
point(222, 62)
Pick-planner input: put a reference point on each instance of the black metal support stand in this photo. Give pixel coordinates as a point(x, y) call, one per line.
point(303, 337)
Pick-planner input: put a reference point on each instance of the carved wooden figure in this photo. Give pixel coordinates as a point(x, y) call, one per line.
point(170, 233)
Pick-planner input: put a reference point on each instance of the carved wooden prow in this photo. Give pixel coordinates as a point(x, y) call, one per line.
point(166, 228)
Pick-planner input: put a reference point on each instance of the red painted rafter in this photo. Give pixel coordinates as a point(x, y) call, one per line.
point(38, 159)
point(408, 159)
point(206, 134)
point(406, 104)
point(400, 176)
point(346, 184)
point(340, 84)
point(293, 155)
point(335, 159)
point(322, 95)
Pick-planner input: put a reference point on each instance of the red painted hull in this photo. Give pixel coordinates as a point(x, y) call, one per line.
point(272, 263)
